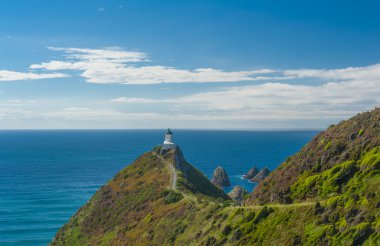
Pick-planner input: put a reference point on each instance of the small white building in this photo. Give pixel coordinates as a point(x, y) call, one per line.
point(168, 142)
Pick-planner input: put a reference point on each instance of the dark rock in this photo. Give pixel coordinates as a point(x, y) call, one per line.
point(251, 173)
point(261, 175)
point(238, 193)
point(220, 177)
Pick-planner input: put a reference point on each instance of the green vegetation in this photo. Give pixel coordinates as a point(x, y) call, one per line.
point(323, 184)
point(327, 146)
point(327, 194)
point(172, 197)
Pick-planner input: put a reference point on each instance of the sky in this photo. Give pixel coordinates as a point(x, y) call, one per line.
point(260, 65)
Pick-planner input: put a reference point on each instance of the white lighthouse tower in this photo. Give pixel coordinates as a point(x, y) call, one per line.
point(168, 142)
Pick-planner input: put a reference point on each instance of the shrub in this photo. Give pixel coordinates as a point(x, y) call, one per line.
point(263, 213)
point(226, 230)
point(164, 193)
point(173, 197)
point(327, 146)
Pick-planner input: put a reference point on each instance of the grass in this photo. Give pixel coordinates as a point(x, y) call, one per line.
point(331, 206)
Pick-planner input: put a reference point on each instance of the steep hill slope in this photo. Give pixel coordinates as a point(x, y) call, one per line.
point(327, 194)
point(138, 207)
point(326, 154)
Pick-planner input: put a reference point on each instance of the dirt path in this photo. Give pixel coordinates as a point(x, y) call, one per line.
point(273, 205)
point(173, 173)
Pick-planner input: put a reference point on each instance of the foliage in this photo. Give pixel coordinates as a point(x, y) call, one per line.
point(335, 193)
point(172, 197)
point(327, 146)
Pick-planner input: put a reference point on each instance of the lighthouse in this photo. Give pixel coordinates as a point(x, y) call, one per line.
point(168, 141)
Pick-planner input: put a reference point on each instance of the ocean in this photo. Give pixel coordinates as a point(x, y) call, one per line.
point(45, 176)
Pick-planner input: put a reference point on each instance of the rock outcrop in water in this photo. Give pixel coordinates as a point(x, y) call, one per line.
point(237, 194)
point(261, 175)
point(220, 177)
point(251, 173)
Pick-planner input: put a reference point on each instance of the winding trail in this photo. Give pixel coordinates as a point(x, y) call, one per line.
point(277, 205)
point(173, 181)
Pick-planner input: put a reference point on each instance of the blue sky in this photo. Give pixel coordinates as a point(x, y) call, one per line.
point(187, 64)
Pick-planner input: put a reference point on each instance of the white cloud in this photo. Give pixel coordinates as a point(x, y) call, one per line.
point(277, 101)
point(341, 92)
point(363, 73)
point(135, 100)
point(113, 65)
point(7, 75)
point(289, 97)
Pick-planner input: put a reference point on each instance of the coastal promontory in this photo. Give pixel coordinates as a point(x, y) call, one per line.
point(325, 194)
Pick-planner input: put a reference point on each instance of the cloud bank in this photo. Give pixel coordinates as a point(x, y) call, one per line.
point(342, 93)
point(116, 66)
point(313, 95)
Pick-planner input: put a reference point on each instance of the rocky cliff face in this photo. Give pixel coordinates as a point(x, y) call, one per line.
point(220, 177)
point(251, 173)
point(190, 179)
point(260, 175)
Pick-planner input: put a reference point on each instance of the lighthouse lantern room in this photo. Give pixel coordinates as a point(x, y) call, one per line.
point(168, 142)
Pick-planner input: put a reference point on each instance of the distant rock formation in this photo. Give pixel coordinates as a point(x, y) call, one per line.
point(251, 173)
point(220, 177)
point(261, 175)
point(238, 193)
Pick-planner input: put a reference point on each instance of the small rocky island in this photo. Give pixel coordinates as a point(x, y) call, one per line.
point(237, 194)
point(220, 177)
point(254, 175)
point(261, 175)
point(251, 173)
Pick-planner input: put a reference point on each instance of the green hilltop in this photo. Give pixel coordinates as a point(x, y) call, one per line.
point(326, 194)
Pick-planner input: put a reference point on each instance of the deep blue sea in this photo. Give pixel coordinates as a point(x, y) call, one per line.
point(45, 176)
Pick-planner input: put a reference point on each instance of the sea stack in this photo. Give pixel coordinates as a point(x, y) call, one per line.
point(261, 175)
point(251, 173)
point(238, 193)
point(220, 177)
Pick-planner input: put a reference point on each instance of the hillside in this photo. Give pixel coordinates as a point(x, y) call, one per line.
point(327, 194)
point(335, 154)
point(138, 206)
